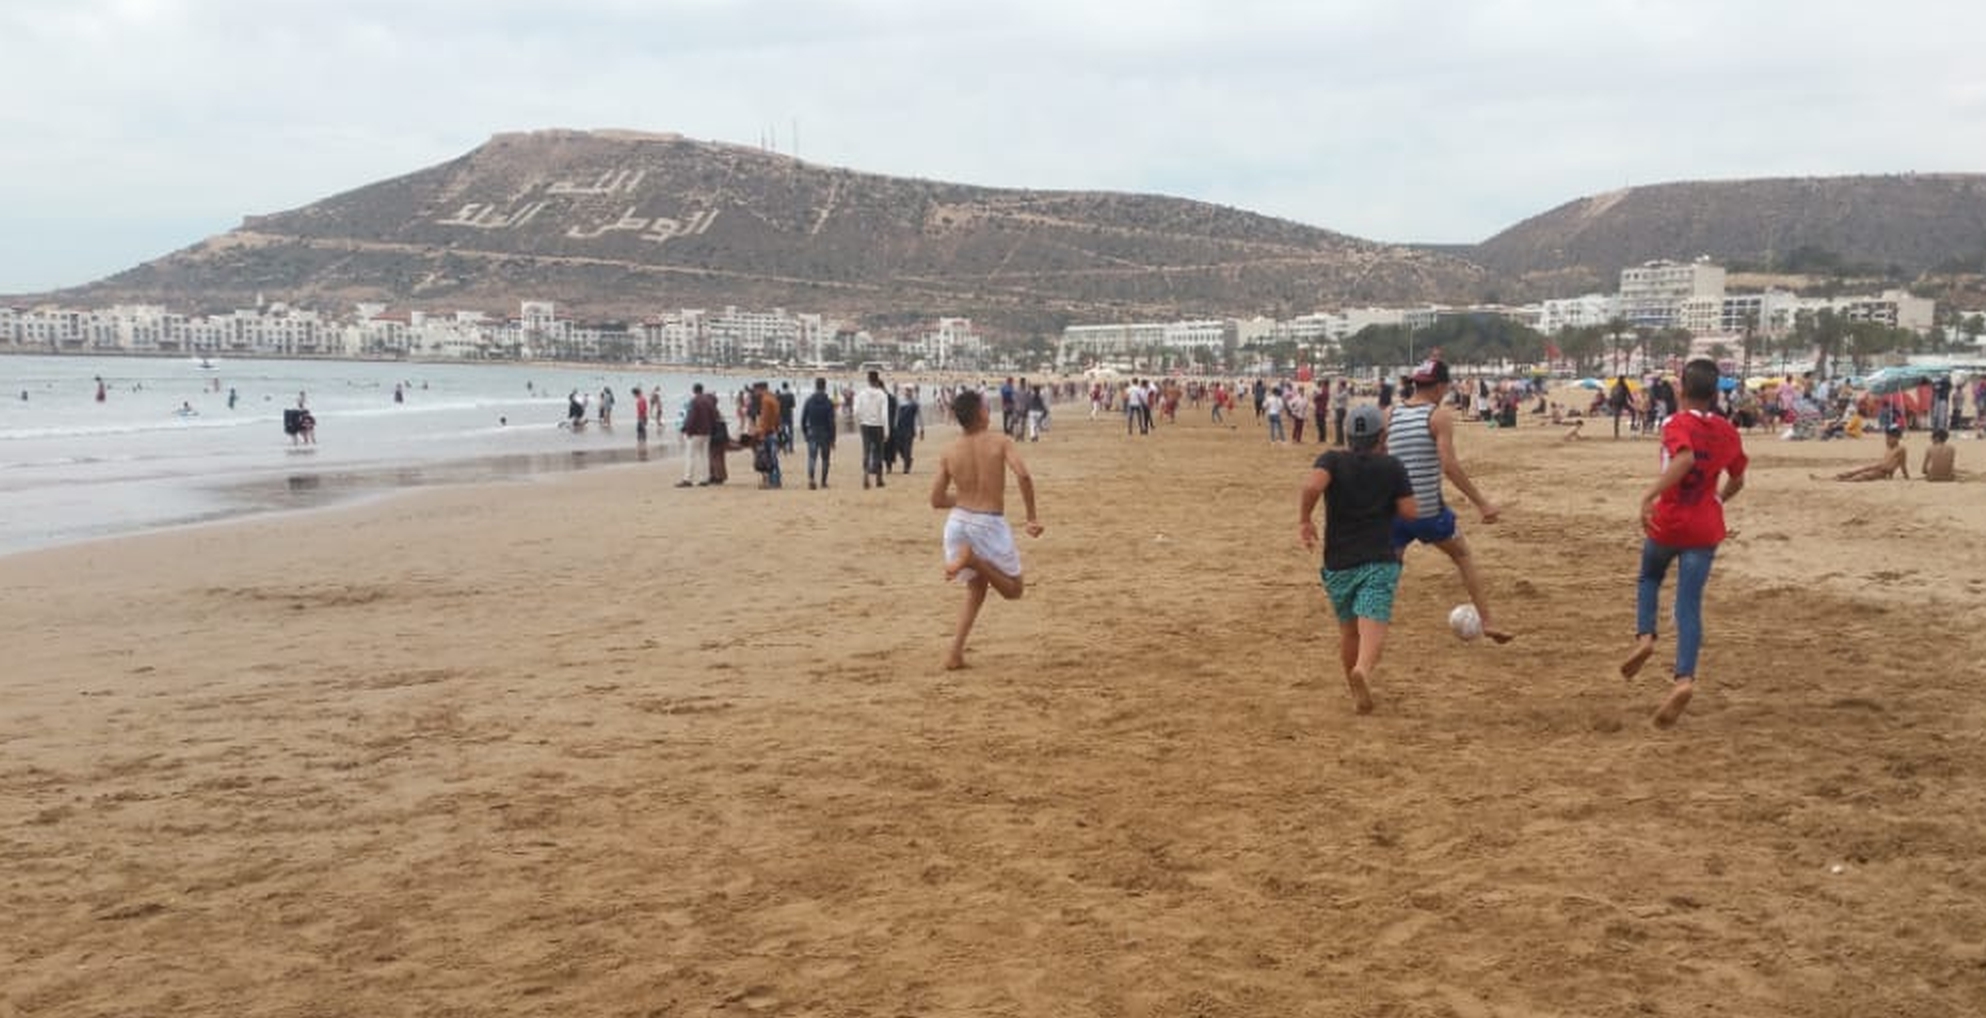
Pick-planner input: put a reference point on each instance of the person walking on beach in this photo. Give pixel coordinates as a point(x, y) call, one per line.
point(1338, 409)
point(765, 445)
point(1421, 432)
point(907, 426)
point(817, 426)
point(1273, 406)
point(788, 403)
point(872, 415)
point(1682, 519)
point(972, 485)
point(1037, 413)
point(1134, 408)
point(640, 416)
point(699, 419)
point(1365, 492)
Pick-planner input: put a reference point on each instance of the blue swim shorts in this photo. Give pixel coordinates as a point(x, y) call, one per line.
point(1363, 592)
point(1427, 529)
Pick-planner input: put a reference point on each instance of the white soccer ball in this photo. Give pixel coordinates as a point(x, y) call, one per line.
point(1467, 624)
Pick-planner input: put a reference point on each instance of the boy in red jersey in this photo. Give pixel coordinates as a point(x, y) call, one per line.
point(1682, 514)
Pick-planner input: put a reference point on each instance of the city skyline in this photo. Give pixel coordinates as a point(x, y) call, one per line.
point(155, 123)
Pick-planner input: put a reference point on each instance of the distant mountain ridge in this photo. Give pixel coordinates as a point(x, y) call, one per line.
point(1903, 224)
point(622, 223)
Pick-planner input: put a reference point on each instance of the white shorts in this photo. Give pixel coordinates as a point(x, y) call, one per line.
point(991, 540)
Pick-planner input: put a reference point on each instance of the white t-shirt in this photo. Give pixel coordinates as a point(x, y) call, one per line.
point(1274, 405)
point(872, 408)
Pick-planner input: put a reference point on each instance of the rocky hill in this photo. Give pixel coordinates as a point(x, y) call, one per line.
point(618, 224)
point(1895, 226)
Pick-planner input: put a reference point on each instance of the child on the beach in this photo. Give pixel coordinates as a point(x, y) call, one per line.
point(1940, 460)
point(1682, 514)
point(1895, 457)
point(1364, 491)
point(979, 546)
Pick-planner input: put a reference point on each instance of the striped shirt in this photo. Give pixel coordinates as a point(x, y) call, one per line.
point(1410, 438)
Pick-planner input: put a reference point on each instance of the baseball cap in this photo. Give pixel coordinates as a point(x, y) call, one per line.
point(1364, 424)
point(1431, 372)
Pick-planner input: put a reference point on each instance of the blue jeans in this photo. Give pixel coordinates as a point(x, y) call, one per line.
point(819, 450)
point(1691, 576)
point(1275, 427)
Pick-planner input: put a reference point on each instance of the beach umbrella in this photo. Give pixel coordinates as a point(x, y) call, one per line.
point(1590, 383)
point(1891, 380)
point(1725, 383)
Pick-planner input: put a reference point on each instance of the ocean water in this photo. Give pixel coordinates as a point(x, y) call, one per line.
point(74, 469)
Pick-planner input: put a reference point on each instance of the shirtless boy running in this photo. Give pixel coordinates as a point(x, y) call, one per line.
point(979, 546)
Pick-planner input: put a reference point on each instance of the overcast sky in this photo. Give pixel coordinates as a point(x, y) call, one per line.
point(136, 127)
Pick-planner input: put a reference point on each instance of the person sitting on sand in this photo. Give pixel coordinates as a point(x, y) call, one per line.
point(1895, 458)
point(979, 546)
point(1940, 460)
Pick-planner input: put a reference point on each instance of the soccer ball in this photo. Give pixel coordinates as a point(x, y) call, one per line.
point(1467, 624)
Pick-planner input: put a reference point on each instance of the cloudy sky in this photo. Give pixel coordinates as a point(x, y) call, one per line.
point(135, 127)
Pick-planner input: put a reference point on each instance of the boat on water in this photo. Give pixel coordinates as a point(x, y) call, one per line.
point(205, 363)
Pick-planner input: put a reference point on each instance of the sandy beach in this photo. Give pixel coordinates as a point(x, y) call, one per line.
point(600, 746)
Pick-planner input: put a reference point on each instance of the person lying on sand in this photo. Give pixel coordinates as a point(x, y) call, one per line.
point(1895, 458)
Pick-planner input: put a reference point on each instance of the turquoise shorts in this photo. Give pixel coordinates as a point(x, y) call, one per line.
point(1363, 592)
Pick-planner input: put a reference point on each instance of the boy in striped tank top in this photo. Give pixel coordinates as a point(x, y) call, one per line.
point(1420, 433)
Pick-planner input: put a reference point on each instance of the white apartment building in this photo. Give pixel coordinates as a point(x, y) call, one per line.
point(952, 343)
point(1124, 343)
point(1653, 293)
point(1896, 308)
point(1107, 343)
point(676, 338)
point(1768, 313)
point(1585, 311)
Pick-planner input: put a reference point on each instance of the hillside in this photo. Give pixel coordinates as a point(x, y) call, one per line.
point(618, 224)
point(1897, 226)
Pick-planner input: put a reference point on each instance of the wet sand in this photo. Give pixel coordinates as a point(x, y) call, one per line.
point(603, 746)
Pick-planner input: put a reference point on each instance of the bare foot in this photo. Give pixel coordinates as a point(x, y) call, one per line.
point(1643, 650)
point(954, 663)
point(1672, 708)
point(960, 564)
point(1361, 692)
point(1499, 635)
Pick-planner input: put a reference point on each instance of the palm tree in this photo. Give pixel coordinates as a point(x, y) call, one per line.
point(1751, 329)
point(1617, 331)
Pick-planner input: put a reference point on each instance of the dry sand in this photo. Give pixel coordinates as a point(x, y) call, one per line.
point(601, 746)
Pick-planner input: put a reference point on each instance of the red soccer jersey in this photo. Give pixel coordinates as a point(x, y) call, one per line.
point(1690, 515)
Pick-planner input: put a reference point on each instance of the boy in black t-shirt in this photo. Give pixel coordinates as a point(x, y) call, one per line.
point(1363, 490)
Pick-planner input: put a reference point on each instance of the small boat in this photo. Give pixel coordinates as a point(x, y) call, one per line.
point(206, 364)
